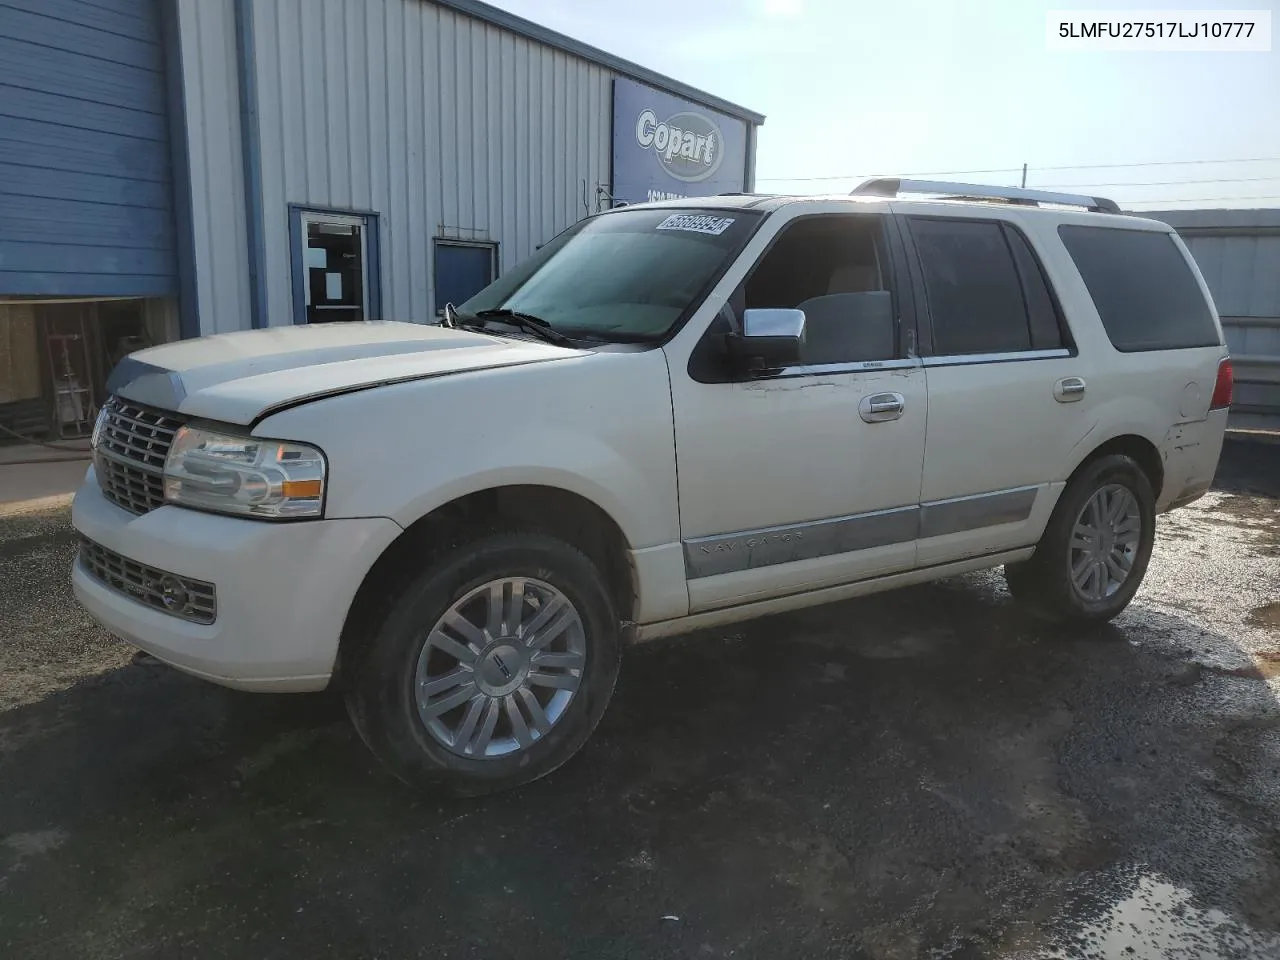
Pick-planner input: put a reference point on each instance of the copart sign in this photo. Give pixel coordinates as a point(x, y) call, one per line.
point(688, 145)
point(665, 147)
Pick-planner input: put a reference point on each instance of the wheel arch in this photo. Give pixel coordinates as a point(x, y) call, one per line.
point(555, 511)
point(1139, 448)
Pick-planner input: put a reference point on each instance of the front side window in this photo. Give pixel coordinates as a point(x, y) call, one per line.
point(626, 275)
point(835, 269)
point(1143, 287)
point(972, 284)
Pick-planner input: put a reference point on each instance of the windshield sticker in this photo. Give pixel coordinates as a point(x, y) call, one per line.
point(697, 223)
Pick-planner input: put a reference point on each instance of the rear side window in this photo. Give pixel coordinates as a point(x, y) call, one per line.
point(1143, 288)
point(985, 289)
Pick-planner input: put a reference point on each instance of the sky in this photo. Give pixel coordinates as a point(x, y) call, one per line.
point(852, 90)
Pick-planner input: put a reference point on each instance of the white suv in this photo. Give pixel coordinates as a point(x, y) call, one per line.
point(673, 416)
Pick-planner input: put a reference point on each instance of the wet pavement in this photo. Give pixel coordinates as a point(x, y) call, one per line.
point(927, 773)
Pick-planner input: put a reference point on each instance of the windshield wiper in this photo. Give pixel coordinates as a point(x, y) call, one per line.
point(524, 321)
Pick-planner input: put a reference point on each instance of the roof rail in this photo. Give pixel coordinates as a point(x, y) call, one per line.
point(892, 187)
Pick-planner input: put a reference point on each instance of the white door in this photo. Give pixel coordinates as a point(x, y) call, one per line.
point(1008, 395)
point(806, 476)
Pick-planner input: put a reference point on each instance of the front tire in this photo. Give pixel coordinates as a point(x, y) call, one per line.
point(1096, 547)
point(491, 668)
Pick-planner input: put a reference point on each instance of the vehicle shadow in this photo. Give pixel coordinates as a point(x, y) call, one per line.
point(927, 769)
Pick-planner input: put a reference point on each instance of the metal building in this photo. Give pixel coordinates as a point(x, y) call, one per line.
point(1238, 251)
point(182, 167)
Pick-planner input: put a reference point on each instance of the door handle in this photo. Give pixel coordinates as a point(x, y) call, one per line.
point(1068, 389)
point(878, 407)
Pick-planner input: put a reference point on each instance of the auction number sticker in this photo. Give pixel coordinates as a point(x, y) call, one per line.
point(697, 223)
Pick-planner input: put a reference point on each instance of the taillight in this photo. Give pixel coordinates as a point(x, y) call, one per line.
point(1222, 389)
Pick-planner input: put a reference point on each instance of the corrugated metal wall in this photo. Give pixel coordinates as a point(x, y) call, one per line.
point(1238, 251)
point(86, 199)
point(211, 100)
point(1244, 274)
point(443, 125)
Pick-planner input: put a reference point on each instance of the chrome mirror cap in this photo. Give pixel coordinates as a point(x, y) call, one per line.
point(773, 322)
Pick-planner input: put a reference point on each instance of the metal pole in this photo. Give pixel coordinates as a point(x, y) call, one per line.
point(1024, 175)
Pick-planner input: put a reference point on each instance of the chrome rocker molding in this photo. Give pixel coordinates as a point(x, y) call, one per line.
point(749, 549)
point(808, 598)
point(941, 517)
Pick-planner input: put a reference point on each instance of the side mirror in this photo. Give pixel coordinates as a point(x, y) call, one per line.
point(770, 338)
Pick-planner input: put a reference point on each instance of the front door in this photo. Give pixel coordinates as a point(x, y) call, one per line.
point(807, 476)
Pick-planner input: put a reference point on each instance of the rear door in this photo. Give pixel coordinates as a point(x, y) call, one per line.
point(1008, 392)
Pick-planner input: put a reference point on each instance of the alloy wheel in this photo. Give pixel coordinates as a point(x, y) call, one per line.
point(1104, 542)
point(500, 667)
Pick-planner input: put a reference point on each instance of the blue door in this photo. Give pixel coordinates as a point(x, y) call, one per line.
point(462, 271)
point(86, 197)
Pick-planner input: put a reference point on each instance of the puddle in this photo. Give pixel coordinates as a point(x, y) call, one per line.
point(36, 842)
point(1156, 920)
point(22, 847)
point(1267, 615)
point(1268, 664)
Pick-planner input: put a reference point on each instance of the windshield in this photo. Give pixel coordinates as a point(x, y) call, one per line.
point(627, 275)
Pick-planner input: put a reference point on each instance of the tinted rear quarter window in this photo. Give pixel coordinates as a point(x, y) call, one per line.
point(1143, 288)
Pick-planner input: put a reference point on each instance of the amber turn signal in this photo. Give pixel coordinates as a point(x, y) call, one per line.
point(301, 488)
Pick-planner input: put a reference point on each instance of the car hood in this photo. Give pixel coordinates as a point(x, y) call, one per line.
point(242, 377)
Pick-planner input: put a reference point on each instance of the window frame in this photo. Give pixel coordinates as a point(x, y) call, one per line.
point(703, 369)
point(437, 242)
point(929, 356)
point(370, 237)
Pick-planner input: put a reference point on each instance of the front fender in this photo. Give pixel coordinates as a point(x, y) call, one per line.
point(599, 426)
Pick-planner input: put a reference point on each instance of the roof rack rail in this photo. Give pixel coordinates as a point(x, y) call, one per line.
point(892, 187)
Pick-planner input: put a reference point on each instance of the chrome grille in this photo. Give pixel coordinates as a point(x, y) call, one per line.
point(183, 597)
point(131, 445)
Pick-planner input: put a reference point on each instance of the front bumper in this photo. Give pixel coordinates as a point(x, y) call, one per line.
point(283, 589)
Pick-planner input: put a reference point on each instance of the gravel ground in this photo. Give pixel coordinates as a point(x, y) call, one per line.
point(926, 773)
point(47, 642)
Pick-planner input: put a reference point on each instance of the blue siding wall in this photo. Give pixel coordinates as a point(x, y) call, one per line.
point(86, 195)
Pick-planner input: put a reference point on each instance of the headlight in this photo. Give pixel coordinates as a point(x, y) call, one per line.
point(271, 479)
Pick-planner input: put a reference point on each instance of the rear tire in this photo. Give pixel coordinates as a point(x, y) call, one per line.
point(491, 668)
point(1096, 547)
